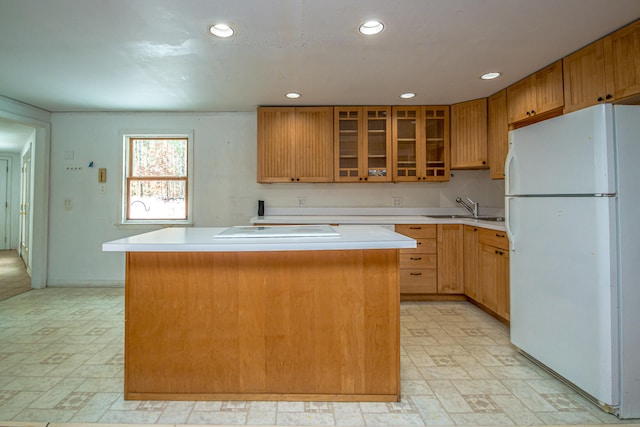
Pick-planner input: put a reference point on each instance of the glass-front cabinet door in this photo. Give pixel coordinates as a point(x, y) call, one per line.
point(347, 140)
point(436, 143)
point(377, 144)
point(406, 147)
point(362, 144)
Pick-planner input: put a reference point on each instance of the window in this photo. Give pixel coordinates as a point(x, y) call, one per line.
point(157, 179)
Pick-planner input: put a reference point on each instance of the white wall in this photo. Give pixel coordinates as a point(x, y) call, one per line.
point(225, 187)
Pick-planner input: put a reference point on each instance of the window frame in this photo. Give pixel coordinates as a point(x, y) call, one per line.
point(126, 163)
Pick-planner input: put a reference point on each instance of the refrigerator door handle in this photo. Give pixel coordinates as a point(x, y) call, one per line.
point(507, 170)
point(507, 223)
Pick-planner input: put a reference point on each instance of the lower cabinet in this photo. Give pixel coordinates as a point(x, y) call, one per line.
point(471, 264)
point(418, 267)
point(450, 259)
point(435, 266)
point(490, 288)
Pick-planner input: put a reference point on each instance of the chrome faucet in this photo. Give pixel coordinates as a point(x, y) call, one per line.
point(473, 209)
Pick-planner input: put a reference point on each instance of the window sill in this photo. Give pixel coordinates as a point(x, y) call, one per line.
point(152, 225)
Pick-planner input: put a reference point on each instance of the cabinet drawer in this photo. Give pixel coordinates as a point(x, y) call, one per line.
point(423, 231)
point(423, 246)
point(418, 281)
point(494, 238)
point(418, 260)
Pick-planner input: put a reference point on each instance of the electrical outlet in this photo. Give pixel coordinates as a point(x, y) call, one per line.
point(396, 202)
point(302, 201)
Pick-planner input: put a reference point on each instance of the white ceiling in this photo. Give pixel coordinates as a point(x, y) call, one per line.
point(156, 55)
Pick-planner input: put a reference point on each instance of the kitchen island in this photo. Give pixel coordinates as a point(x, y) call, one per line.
point(262, 318)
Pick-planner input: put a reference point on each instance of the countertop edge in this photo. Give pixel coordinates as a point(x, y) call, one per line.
point(373, 220)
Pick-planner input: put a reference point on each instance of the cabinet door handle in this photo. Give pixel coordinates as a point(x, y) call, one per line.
point(609, 96)
point(415, 259)
point(496, 251)
point(297, 179)
point(365, 178)
point(533, 112)
point(600, 99)
point(528, 113)
point(293, 179)
point(416, 274)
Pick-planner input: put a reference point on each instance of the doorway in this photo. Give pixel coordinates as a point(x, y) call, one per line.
point(5, 191)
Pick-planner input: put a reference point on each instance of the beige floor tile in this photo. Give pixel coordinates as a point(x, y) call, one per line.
point(61, 358)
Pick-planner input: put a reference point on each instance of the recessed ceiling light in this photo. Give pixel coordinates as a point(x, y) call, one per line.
point(293, 95)
point(407, 95)
point(490, 76)
point(371, 27)
point(221, 30)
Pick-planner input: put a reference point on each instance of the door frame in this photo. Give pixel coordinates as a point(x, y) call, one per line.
point(40, 155)
point(25, 227)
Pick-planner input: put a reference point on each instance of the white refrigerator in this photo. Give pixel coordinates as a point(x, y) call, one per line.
point(572, 208)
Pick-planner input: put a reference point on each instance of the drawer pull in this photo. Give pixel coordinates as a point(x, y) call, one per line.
point(416, 274)
point(415, 259)
point(415, 228)
point(419, 243)
point(499, 235)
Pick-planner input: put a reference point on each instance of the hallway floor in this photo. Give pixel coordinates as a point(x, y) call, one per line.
point(14, 279)
point(61, 361)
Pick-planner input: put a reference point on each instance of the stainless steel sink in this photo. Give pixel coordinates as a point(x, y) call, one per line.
point(480, 217)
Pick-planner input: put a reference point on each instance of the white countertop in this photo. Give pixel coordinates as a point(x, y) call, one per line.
point(199, 239)
point(373, 220)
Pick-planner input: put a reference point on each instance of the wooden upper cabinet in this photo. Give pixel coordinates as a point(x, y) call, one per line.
point(520, 100)
point(421, 143)
point(607, 70)
point(276, 130)
point(622, 62)
point(295, 144)
point(584, 77)
point(469, 135)
point(540, 93)
point(548, 89)
point(362, 138)
point(497, 133)
point(407, 136)
point(435, 124)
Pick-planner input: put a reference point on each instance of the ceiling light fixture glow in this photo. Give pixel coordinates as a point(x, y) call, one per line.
point(407, 95)
point(490, 76)
point(293, 95)
point(221, 30)
point(370, 28)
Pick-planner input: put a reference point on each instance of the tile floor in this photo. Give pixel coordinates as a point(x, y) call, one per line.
point(14, 280)
point(61, 361)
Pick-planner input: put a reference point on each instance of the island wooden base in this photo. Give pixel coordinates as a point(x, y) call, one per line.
point(303, 325)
